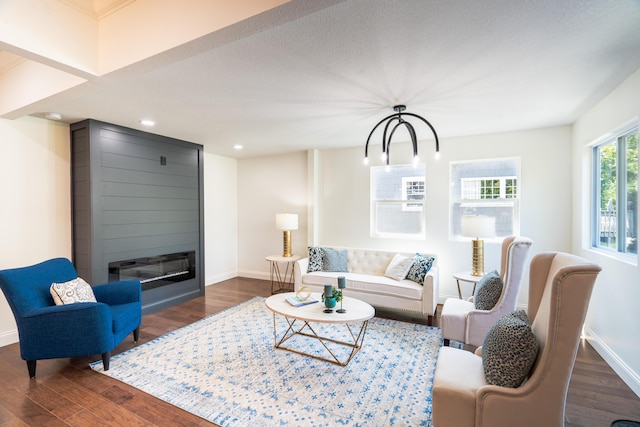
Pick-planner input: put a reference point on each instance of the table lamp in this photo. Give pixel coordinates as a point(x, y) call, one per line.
point(286, 223)
point(478, 226)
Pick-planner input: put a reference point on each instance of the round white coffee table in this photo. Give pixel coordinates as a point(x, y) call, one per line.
point(300, 319)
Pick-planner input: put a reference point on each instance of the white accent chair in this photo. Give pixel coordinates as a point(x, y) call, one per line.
point(461, 321)
point(560, 286)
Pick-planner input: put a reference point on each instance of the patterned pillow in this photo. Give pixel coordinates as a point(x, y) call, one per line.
point(489, 295)
point(334, 260)
point(482, 281)
point(509, 350)
point(76, 290)
point(419, 269)
point(398, 267)
point(315, 259)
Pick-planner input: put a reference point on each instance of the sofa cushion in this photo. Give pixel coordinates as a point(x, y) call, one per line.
point(483, 280)
point(334, 260)
point(315, 259)
point(399, 267)
point(76, 290)
point(366, 282)
point(509, 350)
point(419, 268)
point(489, 294)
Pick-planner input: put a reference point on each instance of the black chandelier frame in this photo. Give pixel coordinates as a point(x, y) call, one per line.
point(397, 118)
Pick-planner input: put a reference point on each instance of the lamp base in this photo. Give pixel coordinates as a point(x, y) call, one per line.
point(477, 257)
point(286, 240)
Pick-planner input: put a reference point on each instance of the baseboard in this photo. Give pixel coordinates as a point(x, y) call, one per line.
point(631, 378)
point(9, 337)
point(220, 278)
point(260, 275)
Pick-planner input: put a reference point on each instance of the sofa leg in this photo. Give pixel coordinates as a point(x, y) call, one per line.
point(430, 320)
point(105, 360)
point(445, 342)
point(31, 366)
point(136, 334)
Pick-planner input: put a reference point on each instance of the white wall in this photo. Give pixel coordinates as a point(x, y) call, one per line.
point(220, 218)
point(545, 197)
point(268, 186)
point(613, 317)
point(35, 216)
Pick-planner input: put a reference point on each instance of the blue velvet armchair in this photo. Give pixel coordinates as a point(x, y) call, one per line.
point(49, 331)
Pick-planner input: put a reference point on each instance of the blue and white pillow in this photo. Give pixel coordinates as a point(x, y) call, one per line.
point(334, 260)
point(315, 259)
point(419, 269)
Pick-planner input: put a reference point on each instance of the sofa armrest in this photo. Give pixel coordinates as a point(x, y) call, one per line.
point(431, 292)
point(299, 268)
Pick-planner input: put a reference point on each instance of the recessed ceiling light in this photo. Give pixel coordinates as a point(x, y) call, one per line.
point(238, 147)
point(147, 122)
point(53, 116)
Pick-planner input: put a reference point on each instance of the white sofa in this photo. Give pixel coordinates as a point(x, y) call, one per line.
point(366, 281)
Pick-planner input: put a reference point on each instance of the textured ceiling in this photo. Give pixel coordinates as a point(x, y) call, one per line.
point(325, 79)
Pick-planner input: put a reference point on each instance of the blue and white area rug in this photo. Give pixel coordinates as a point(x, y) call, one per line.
point(224, 368)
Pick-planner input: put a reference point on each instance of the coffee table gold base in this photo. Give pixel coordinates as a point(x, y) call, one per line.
point(355, 345)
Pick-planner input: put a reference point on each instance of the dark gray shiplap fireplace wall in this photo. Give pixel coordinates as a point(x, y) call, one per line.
point(138, 198)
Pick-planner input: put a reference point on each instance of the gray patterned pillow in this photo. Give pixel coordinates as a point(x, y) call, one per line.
point(76, 290)
point(483, 280)
point(334, 260)
point(315, 259)
point(489, 295)
point(419, 269)
point(509, 350)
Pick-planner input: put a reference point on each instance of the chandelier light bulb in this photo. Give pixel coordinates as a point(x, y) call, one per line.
point(437, 155)
point(365, 161)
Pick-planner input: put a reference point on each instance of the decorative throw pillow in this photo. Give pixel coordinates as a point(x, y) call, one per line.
point(482, 281)
point(509, 350)
point(419, 268)
point(76, 290)
point(398, 267)
point(334, 260)
point(315, 259)
point(489, 294)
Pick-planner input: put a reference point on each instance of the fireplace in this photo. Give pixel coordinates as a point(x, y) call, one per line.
point(157, 271)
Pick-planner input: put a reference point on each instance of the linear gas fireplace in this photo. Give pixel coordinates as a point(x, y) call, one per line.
point(157, 271)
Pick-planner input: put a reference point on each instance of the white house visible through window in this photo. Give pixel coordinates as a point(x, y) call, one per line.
point(413, 189)
point(486, 187)
point(615, 213)
point(397, 201)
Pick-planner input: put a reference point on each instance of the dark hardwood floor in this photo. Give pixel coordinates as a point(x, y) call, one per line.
point(67, 392)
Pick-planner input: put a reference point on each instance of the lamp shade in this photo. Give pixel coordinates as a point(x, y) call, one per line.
point(478, 226)
point(287, 221)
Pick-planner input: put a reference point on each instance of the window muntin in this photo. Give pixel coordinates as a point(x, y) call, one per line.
point(397, 201)
point(486, 187)
point(616, 194)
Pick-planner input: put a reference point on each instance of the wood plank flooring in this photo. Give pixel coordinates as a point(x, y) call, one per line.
point(67, 392)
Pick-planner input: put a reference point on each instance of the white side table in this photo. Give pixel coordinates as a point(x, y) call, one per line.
point(281, 282)
point(466, 276)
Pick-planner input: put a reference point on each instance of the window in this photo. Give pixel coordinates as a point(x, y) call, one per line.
point(397, 201)
point(615, 225)
point(486, 187)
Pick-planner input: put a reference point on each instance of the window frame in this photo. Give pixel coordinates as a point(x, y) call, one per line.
point(403, 203)
point(476, 205)
point(618, 137)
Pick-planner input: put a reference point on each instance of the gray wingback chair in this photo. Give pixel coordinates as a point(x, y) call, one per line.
point(560, 287)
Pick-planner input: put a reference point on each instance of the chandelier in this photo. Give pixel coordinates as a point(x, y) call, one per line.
point(393, 122)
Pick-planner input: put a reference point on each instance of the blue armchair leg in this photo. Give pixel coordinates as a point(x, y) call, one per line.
point(31, 365)
point(105, 360)
point(136, 334)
